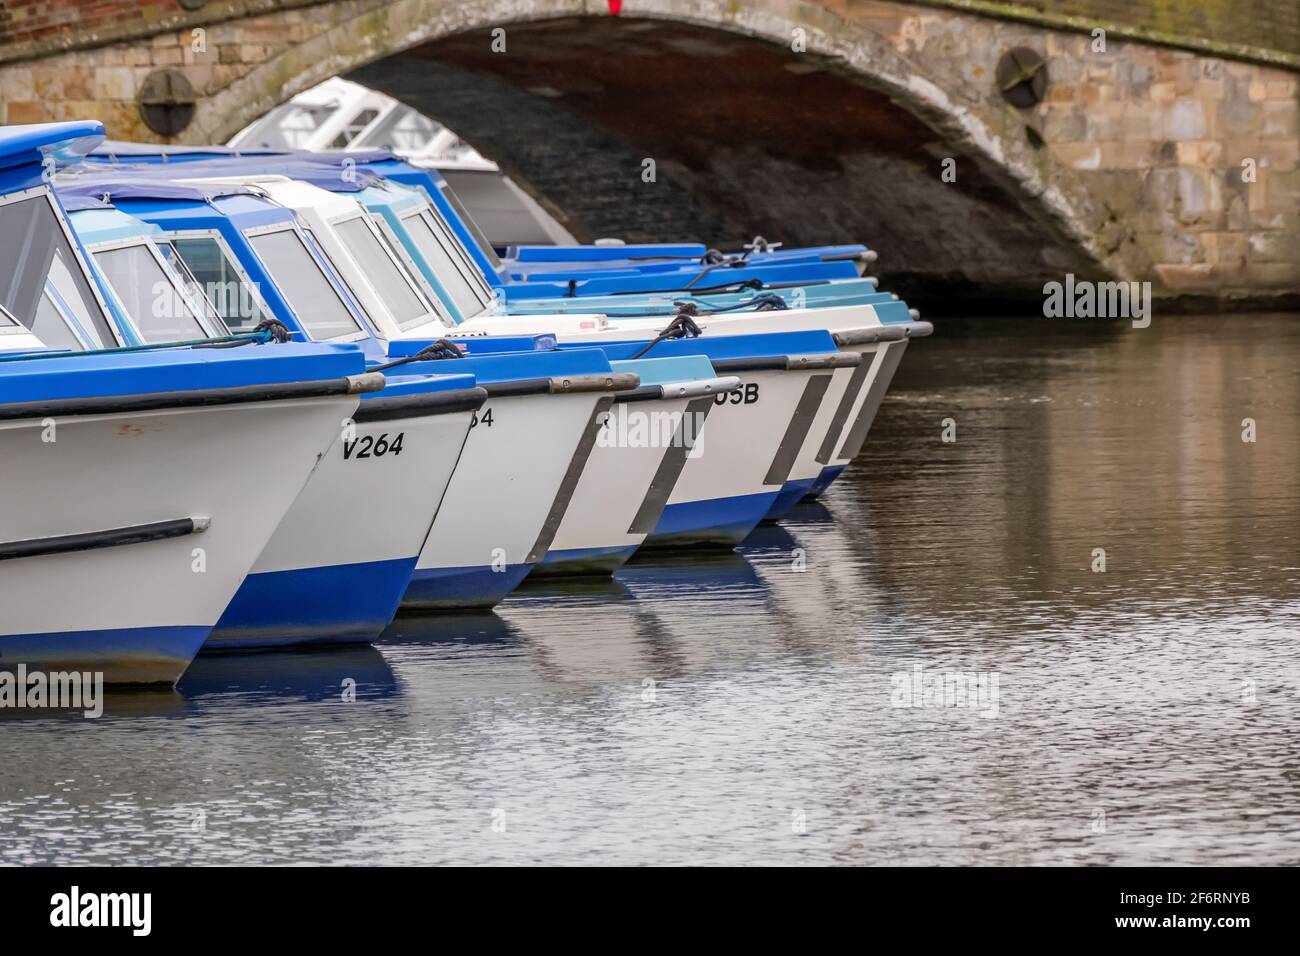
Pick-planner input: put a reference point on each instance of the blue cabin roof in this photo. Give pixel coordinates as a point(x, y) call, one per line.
point(111, 150)
point(97, 225)
point(394, 196)
point(65, 143)
point(140, 182)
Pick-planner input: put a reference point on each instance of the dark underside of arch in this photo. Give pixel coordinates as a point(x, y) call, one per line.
point(747, 138)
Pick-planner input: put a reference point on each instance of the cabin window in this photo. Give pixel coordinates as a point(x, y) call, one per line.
point(220, 282)
point(34, 246)
point(51, 326)
point(353, 129)
point(460, 253)
point(152, 301)
point(384, 274)
point(70, 284)
point(290, 125)
point(412, 268)
point(402, 129)
point(475, 230)
point(463, 293)
point(309, 293)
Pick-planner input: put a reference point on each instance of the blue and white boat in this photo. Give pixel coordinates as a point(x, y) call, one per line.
point(344, 554)
point(419, 235)
point(125, 531)
point(748, 470)
point(529, 442)
point(711, 505)
point(139, 515)
point(875, 325)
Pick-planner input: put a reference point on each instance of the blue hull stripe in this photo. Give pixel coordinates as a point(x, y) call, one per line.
point(823, 481)
point(715, 521)
point(789, 496)
point(449, 589)
point(343, 603)
point(128, 655)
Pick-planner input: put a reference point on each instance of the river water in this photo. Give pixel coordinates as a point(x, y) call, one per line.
point(778, 705)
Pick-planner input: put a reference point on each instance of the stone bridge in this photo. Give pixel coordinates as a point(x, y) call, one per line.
point(984, 148)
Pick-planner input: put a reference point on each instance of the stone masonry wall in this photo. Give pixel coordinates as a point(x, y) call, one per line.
point(1138, 152)
point(1160, 138)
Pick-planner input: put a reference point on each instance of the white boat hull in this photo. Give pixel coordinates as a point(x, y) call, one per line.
point(492, 525)
point(639, 452)
point(337, 566)
point(728, 486)
point(138, 612)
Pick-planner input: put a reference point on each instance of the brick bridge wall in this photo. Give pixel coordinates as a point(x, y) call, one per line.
point(1134, 158)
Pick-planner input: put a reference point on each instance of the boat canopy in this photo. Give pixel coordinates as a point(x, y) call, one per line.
point(394, 301)
point(245, 251)
point(422, 238)
point(45, 279)
point(37, 145)
point(150, 295)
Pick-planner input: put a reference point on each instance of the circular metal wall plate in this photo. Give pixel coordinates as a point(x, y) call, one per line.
point(166, 101)
point(1022, 77)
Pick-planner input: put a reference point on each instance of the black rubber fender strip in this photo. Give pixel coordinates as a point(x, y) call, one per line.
point(196, 398)
point(110, 538)
point(420, 406)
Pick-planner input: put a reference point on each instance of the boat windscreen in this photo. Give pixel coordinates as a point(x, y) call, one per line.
point(384, 274)
point(475, 230)
point(51, 327)
point(288, 126)
point(465, 295)
point(33, 247)
point(301, 281)
point(220, 282)
point(401, 129)
point(148, 294)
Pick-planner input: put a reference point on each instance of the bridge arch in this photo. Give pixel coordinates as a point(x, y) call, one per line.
point(1012, 201)
point(1129, 166)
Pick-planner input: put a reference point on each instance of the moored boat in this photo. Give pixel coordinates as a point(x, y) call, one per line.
point(124, 529)
point(422, 241)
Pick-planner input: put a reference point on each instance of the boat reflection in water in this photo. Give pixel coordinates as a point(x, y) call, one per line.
point(306, 675)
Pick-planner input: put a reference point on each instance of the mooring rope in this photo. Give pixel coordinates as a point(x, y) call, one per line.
point(439, 350)
point(681, 327)
point(267, 332)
